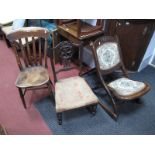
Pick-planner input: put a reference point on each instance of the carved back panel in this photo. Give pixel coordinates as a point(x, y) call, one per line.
point(65, 51)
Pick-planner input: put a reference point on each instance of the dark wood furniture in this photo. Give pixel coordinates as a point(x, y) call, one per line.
point(32, 61)
point(134, 36)
point(108, 59)
point(80, 29)
point(79, 32)
point(73, 92)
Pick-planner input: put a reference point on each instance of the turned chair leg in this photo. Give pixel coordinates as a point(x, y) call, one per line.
point(138, 101)
point(59, 116)
point(22, 97)
point(92, 109)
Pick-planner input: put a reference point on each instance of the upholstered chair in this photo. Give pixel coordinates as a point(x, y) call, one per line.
point(73, 92)
point(108, 59)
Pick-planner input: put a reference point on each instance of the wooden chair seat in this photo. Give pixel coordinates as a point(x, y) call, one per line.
point(31, 77)
point(125, 88)
point(72, 93)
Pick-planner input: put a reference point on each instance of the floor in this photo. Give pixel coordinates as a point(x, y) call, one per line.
point(40, 118)
point(13, 116)
point(134, 119)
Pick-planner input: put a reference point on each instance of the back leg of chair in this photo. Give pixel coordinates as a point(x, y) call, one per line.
point(49, 85)
point(7, 42)
point(22, 97)
point(59, 117)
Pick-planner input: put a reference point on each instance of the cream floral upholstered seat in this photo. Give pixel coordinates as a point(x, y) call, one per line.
point(125, 87)
point(72, 93)
point(34, 76)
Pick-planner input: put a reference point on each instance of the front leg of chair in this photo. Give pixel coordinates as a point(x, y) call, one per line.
point(22, 97)
point(112, 101)
point(59, 117)
point(108, 110)
point(92, 109)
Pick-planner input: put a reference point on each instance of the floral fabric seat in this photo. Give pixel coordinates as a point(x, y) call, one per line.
point(125, 87)
point(72, 93)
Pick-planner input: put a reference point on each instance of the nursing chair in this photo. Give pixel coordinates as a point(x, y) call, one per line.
point(108, 59)
point(32, 60)
point(73, 92)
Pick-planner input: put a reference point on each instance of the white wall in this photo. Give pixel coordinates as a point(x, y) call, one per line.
point(150, 52)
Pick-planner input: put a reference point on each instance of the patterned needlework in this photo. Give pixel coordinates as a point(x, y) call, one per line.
point(108, 55)
point(125, 86)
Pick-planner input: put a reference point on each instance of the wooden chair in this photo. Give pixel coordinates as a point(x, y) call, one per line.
point(32, 61)
point(73, 92)
point(108, 58)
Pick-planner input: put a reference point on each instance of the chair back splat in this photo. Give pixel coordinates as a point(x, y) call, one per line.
point(32, 42)
point(65, 52)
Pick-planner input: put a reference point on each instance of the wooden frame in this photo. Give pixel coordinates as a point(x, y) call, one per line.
point(111, 92)
point(65, 51)
point(28, 57)
point(80, 29)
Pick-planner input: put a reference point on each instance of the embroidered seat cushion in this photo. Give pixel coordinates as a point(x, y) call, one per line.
point(72, 93)
point(108, 55)
point(34, 76)
point(126, 87)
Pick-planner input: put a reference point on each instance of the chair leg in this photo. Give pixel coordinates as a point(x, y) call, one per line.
point(138, 101)
point(108, 110)
point(7, 42)
point(22, 97)
point(59, 117)
point(92, 109)
point(50, 91)
point(112, 101)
